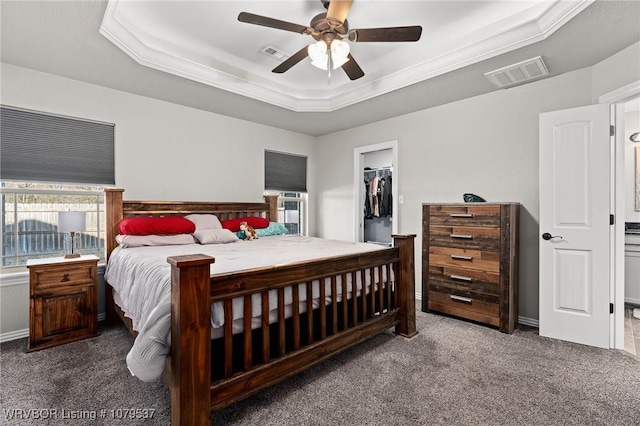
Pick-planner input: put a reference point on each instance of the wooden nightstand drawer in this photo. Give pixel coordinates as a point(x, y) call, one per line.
point(63, 301)
point(55, 276)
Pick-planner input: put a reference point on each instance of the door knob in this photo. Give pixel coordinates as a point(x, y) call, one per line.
point(547, 236)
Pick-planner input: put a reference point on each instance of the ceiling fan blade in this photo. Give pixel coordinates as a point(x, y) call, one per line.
point(291, 61)
point(352, 69)
point(339, 9)
point(386, 34)
point(250, 18)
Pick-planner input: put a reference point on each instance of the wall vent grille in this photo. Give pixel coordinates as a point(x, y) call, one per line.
point(519, 73)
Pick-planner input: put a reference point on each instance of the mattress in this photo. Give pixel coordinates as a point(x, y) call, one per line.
point(141, 277)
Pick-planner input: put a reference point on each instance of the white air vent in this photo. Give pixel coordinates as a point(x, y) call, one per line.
point(519, 73)
point(274, 53)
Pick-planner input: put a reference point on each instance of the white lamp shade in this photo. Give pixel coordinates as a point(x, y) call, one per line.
point(339, 53)
point(72, 221)
point(319, 54)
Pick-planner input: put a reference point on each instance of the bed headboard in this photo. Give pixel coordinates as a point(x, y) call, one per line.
point(117, 209)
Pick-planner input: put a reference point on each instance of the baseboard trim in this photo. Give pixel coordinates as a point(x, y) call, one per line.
point(14, 335)
point(529, 321)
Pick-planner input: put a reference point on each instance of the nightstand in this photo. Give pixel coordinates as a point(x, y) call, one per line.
point(63, 300)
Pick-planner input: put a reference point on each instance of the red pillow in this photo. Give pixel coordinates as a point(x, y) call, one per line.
point(155, 225)
point(256, 222)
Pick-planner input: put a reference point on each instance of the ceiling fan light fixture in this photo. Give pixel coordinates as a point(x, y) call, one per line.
point(319, 54)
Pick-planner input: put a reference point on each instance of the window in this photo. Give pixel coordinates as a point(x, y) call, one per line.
point(292, 211)
point(30, 221)
point(286, 175)
point(73, 155)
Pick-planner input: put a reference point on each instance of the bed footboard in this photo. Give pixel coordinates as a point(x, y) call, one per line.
point(260, 357)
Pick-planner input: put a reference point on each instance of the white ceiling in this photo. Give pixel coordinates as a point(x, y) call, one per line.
point(205, 42)
point(460, 42)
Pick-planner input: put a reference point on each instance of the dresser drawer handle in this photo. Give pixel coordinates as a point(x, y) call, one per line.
point(461, 214)
point(459, 257)
point(460, 278)
point(463, 236)
point(460, 298)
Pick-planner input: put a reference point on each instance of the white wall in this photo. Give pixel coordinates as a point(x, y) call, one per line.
point(487, 145)
point(163, 151)
point(616, 71)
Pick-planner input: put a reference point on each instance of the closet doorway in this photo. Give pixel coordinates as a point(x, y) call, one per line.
point(375, 193)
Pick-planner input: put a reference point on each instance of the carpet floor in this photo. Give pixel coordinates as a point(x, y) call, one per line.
point(453, 373)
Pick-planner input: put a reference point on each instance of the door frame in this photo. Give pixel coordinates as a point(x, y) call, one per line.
point(617, 97)
point(358, 167)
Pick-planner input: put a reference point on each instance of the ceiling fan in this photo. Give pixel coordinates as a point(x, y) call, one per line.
point(330, 29)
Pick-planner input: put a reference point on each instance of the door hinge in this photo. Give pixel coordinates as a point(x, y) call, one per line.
point(612, 220)
point(612, 131)
point(610, 308)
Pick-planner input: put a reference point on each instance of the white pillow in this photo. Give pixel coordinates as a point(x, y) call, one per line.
point(127, 241)
point(215, 236)
point(204, 221)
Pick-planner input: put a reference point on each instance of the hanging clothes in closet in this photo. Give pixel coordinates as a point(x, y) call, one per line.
point(378, 197)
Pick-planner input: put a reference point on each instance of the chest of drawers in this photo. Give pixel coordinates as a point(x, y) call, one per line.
point(470, 261)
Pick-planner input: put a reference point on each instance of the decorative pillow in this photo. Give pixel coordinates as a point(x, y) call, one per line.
point(154, 225)
point(127, 241)
point(204, 221)
point(256, 222)
point(274, 228)
point(215, 236)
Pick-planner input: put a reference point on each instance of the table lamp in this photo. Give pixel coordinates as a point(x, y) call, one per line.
point(72, 222)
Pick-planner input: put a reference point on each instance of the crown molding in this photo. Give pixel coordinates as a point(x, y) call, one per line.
point(524, 28)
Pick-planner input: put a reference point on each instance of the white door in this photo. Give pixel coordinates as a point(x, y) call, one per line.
point(575, 185)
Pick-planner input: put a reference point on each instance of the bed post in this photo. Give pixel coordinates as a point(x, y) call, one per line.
point(406, 290)
point(190, 339)
point(113, 210)
point(272, 200)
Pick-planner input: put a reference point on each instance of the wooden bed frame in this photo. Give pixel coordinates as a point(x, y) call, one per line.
point(275, 352)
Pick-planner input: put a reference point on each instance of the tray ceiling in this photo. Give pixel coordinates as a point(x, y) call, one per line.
point(203, 41)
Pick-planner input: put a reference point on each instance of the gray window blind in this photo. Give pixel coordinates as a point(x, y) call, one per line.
point(285, 172)
point(49, 148)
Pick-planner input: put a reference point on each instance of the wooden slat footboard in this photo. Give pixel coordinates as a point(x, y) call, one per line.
point(274, 352)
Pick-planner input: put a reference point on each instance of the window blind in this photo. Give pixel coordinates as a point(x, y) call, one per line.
point(285, 172)
point(50, 148)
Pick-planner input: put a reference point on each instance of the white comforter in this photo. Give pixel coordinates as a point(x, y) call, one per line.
point(142, 278)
